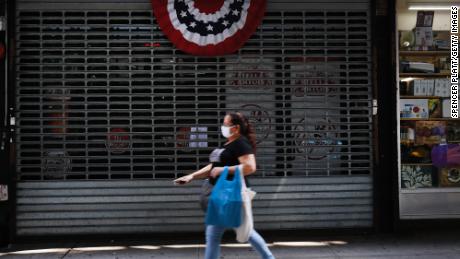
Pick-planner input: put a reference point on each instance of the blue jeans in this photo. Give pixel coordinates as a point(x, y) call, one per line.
point(214, 235)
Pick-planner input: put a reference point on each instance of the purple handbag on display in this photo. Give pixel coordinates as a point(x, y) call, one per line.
point(446, 155)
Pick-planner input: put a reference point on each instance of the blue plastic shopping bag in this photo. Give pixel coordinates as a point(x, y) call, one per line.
point(225, 202)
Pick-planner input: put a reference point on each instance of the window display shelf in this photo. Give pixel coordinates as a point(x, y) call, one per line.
point(416, 163)
point(425, 53)
point(421, 97)
point(429, 119)
point(424, 74)
point(425, 189)
point(432, 190)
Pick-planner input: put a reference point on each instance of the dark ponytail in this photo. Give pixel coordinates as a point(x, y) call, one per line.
point(246, 128)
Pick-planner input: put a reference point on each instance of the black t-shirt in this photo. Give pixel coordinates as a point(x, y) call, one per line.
point(228, 155)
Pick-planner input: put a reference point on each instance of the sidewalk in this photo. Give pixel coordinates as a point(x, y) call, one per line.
point(432, 244)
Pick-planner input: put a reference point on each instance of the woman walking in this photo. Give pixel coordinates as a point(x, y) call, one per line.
point(238, 150)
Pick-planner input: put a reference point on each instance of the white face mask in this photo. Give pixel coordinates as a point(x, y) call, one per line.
point(226, 131)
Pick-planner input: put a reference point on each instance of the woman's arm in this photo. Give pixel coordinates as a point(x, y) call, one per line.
point(200, 174)
point(248, 162)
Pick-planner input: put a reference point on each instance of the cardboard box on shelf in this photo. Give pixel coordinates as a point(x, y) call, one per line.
point(429, 132)
point(441, 40)
point(434, 106)
point(423, 87)
point(415, 154)
point(418, 88)
point(444, 64)
point(416, 176)
point(416, 67)
point(446, 108)
point(424, 37)
point(449, 177)
point(407, 132)
point(442, 87)
point(453, 131)
point(429, 87)
point(425, 19)
point(406, 88)
point(414, 108)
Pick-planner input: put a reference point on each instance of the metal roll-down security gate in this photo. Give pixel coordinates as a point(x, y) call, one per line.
point(108, 112)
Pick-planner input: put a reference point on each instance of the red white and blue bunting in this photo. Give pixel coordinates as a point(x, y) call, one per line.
point(209, 27)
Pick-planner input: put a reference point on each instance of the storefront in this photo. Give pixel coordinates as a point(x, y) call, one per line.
point(108, 112)
point(429, 158)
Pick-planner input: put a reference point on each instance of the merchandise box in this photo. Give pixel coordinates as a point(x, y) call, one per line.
point(406, 88)
point(434, 107)
point(429, 87)
point(424, 87)
point(442, 87)
point(423, 37)
point(414, 108)
point(429, 132)
point(453, 131)
point(417, 176)
point(415, 154)
point(441, 40)
point(424, 19)
point(407, 132)
point(419, 88)
point(449, 177)
point(446, 108)
point(416, 67)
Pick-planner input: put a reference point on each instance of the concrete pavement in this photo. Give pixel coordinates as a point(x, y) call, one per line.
point(420, 245)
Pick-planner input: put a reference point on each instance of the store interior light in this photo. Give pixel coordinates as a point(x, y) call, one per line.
point(430, 6)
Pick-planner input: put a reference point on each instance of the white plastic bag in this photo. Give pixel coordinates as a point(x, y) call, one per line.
point(247, 223)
